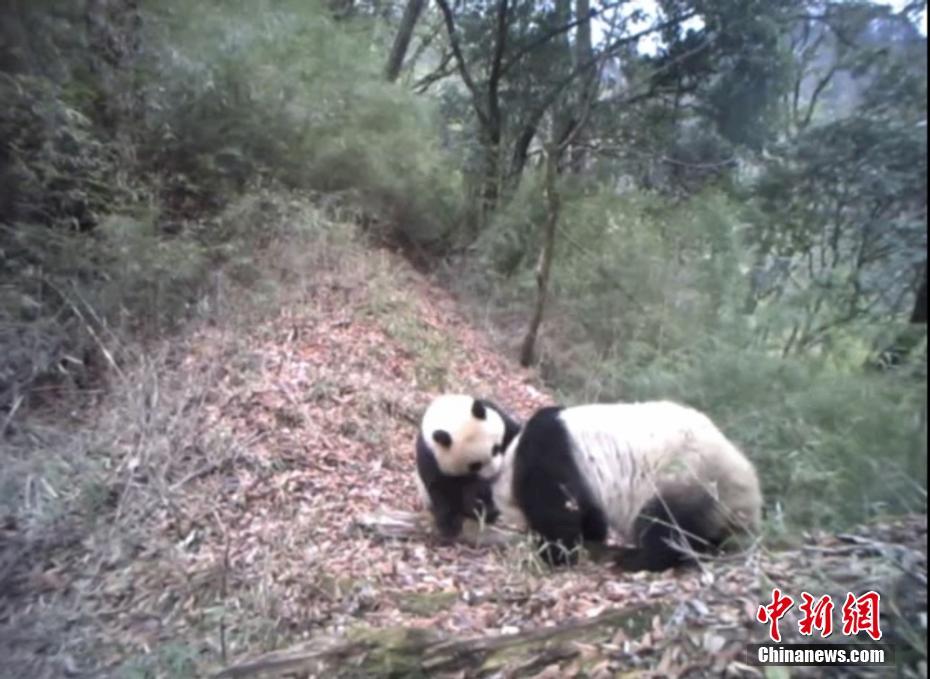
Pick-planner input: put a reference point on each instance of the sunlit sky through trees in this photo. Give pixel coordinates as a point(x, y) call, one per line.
point(650, 44)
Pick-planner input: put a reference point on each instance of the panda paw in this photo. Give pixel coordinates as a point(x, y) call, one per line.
point(449, 528)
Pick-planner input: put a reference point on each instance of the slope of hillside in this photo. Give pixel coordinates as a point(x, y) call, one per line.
point(233, 464)
point(213, 503)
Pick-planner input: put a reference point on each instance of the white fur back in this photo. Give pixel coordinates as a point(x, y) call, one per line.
point(628, 451)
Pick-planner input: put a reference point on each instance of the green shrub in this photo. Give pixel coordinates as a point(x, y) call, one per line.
point(150, 148)
point(56, 167)
point(232, 100)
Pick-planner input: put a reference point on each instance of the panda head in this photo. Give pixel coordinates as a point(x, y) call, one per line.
point(464, 433)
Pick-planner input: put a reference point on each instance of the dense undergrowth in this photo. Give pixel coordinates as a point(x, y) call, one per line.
point(131, 145)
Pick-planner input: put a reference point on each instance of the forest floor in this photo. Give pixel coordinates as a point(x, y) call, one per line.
point(215, 517)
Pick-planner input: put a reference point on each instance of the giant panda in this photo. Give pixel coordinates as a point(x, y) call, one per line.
point(459, 435)
point(656, 472)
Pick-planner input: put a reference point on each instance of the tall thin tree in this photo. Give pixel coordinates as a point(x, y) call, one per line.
point(408, 22)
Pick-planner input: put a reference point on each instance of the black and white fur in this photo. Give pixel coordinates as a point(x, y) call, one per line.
point(459, 435)
point(658, 473)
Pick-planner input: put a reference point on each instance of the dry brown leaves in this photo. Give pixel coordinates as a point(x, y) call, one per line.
point(336, 403)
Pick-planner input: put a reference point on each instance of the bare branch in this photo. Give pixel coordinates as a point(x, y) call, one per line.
point(537, 114)
point(441, 71)
point(655, 28)
point(590, 95)
point(554, 33)
point(451, 30)
point(435, 29)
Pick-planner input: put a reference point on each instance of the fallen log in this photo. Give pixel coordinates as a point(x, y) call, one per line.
point(403, 652)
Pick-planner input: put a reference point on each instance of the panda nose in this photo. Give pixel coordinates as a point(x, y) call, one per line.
point(475, 466)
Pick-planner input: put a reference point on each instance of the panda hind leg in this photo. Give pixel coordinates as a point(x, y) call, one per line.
point(671, 528)
point(593, 525)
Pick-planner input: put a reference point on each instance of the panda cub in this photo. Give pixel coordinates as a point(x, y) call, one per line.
point(658, 473)
point(459, 435)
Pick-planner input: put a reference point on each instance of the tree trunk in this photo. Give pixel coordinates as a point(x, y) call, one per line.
point(919, 314)
point(544, 267)
point(494, 120)
point(908, 339)
point(521, 149)
point(491, 176)
point(564, 111)
point(402, 40)
point(584, 54)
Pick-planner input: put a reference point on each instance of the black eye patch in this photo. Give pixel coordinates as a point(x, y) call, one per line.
point(442, 437)
point(497, 449)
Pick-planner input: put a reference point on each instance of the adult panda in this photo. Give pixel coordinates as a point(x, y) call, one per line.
point(656, 472)
point(459, 435)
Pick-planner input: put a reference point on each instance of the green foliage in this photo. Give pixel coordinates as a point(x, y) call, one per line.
point(57, 166)
point(71, 301)
point(70, 296)
point(643, 276)
point(70, 110)
point(174, 659)
point(146, 149)
point(754, 68)
point(510, 241)
point(841, 228)
point(289, 98)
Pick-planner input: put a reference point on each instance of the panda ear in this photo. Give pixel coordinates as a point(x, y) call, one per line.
point(478, 410)
point(442, 438)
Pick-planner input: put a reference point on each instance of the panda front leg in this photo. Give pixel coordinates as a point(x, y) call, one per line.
point(478, 502)
point(560, 531)
point(561, 512)
point(444, 499)
point(449, 520)
point(560, 515)
point(458, 500)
